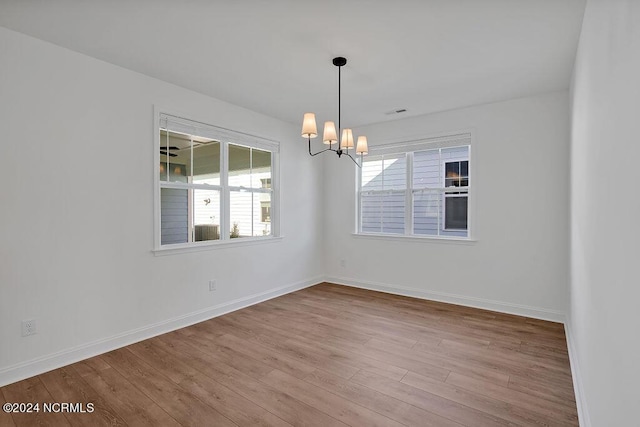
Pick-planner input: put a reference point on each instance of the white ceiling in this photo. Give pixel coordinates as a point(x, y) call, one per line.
point(275, 56)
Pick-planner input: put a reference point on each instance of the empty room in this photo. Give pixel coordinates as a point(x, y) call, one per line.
point(336, 213)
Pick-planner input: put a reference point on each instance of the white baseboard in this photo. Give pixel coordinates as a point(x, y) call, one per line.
point(581, 404)
point(56, 360)
point(502, 307)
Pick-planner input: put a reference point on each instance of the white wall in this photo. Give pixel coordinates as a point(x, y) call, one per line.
point(76, 218)
point(519, 262)
point(605, 209)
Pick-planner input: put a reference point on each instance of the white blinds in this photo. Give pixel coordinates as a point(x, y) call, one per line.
point(455, 140)
point(190, 127)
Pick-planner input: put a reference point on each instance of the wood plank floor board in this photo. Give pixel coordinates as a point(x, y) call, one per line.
point(499, 330)
point(224, 400)
point(275, 401)
point(31, 390)
point(328, 355)
point(444, 407)
point(334, 352)
point(67, 386)
point(533, 386)
point(373, 308)
point(499, 363)
point(5, 417)
point(395, 409)
point(344, 410)
point(279, 358)
point(338, 319)
point(179, 345)
point(559, 410)
point(559, 367)
point(444, 363)
point(224, 354)
point(398, 332)
point(507, 411)
point(183, 406)
point(263, 336)
point(301, 321)
point(125, 399)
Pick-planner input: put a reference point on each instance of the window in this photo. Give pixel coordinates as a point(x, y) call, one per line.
point(418, 189)
point(214, 184)
point(456, 202)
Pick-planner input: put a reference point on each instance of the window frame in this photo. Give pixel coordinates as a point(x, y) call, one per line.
point(454, 193)
point(226, 137)
point(409, 147)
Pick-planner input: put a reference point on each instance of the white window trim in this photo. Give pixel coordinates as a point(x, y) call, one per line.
point(252, 141)
point(409, 146)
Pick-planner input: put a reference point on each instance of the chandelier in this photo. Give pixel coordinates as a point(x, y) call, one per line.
point(330, 136)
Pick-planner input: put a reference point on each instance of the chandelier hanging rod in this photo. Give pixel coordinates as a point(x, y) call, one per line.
point(330, 136)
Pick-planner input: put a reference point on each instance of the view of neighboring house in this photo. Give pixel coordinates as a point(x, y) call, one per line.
point(194, 214)
point(430, 198)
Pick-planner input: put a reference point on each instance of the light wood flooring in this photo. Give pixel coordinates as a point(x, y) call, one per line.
point(326, 356)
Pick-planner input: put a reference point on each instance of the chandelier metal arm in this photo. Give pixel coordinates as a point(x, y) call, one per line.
point(354, 160)
point(321, 151)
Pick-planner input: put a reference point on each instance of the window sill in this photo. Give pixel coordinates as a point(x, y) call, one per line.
point(425, 239)
point(212, 245)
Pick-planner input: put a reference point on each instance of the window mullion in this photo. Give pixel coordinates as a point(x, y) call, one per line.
point(408, 201)
point(275, 200)
point(251, 185)
point(190, 196)
point(225, 196)
point(441, 201)
point(381, 212)
point(359, 202)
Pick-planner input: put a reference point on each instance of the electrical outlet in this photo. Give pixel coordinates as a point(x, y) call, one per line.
point(29, 327)
point(212, 285)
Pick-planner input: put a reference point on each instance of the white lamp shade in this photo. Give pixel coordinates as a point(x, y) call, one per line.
point(362, 147)
point(309, 128)
point(347, 139)
point(330, 135)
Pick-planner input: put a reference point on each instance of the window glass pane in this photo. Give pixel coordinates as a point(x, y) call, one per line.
point(239, 166)
point(175, 156)
point(464, 169)
point(206, 215)
point(427, 213)
point(456, 160)
point(394, 172)
point(426, 169)
point(260, 168)
point(206, 161)
point(241, 213)
point(265, 183)
point(372, 174)
point(174, 217)
point(456, 212)
point(455, 153)
point(371, 213)
point(383, 213)
point(261, 214)
point(164, 156)
point(452, 174)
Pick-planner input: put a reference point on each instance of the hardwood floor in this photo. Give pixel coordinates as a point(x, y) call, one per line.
point(328, 356)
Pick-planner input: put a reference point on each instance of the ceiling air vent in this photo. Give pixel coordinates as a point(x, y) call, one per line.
point(398, 111)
